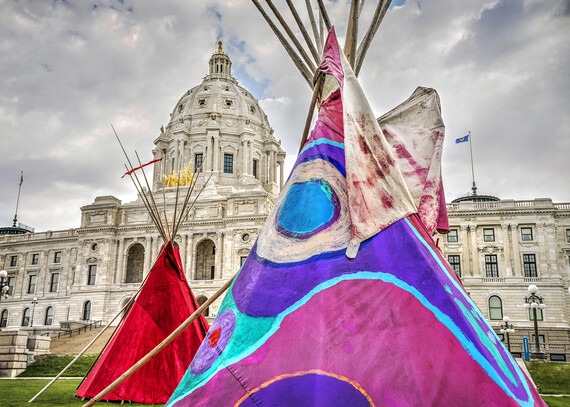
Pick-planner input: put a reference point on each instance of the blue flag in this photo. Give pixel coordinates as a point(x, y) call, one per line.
point(462, 139)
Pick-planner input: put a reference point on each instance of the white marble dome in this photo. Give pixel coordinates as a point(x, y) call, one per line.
point(220, 125)
point(219, 94)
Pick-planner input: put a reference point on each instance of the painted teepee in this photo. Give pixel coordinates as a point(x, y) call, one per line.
point(164, 301)
point(344, 299)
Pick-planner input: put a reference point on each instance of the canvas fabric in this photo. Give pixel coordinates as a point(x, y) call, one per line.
point(304, 325)
point(164, 302)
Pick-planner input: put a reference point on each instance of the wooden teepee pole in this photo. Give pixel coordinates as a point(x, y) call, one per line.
point(83, 351)
point(324, 14)
point(304, 32)
point(352, 33)
point(292, 37)
point(305, 72)
point(147, 205)
point(161, 345)
point(314, 26)
point(379, 14)
point(316, 93)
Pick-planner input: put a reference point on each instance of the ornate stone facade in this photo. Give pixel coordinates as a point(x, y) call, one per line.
point(501, 247)
point(90, 272)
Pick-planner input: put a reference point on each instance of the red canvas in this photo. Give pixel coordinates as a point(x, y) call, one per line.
point(164, 302)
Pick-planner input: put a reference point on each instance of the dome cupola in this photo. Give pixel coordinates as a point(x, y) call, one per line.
point(220, 64)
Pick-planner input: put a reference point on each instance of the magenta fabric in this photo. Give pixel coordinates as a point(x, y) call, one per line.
point(304, 325)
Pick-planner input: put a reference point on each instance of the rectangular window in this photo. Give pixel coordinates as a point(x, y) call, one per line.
point(489, 235)
point(568, 235)
point(526, 234)
point(11, 283)
point(491, 267)
point(538, 314)
point(540, 340)
point(198, 159)
point(454, 261)
point(242, 260)
point(54, 284)
point(255, 168)
point(452, 236)
point(32, 284)
point(35, 259)
point(212, 272)
point(529, 262)
point(57, 257)
point(13, 261)
point(228, 164)
point(91, 275)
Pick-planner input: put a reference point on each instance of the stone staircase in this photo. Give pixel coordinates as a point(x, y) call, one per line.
point(67, 346)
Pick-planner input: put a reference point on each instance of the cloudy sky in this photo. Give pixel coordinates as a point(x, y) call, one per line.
point(68, 69)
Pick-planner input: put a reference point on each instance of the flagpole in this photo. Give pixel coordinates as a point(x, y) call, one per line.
point(474, 187)
point(18, 200)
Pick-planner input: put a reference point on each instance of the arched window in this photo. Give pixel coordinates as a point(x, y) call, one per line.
point(48, 320)
point(205, 260)
point(495, 308)
point(26, 317)
point(87, 311)
point(201, 300)
point(135, 263)
point(4, 319)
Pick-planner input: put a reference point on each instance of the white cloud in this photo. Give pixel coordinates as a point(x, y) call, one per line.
point(69, 69)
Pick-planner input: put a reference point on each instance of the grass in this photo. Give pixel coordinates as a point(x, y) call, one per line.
point(50, 366)
point(557, 401)
point(16, 393)
point(550, 378)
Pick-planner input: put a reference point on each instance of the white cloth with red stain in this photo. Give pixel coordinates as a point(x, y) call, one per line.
point(393, 164)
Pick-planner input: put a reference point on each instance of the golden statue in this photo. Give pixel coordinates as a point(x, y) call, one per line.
point(183, 178)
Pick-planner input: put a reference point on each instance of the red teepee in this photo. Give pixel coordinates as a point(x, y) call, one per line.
point(164, 302)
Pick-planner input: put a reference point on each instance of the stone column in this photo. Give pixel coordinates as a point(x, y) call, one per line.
point(267, 166)
point(271, 167)
point(206, 165)
point(517, 269)
point(474, 253)
point(187, 260)
point(507, 250)
point(281, 163)
point(244, 158)
point(175, 157)
point(192, 271)
point(219, 243)
point(249, 162)
point(466, 267)
point(120, 261)
point(543, 256)
point(216, 152)
point(147, 254)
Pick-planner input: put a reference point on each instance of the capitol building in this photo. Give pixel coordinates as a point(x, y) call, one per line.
point(90, 273)
point(498, 247)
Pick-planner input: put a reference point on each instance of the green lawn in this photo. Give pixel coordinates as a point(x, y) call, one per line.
point(550, 378)
point(557, 401)
point(17, 393)
point(50, 366)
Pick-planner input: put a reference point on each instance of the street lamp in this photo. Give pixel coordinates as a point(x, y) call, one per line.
point(4, 287)
point(507, 328)
point(34, 302)
point(535, 301)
